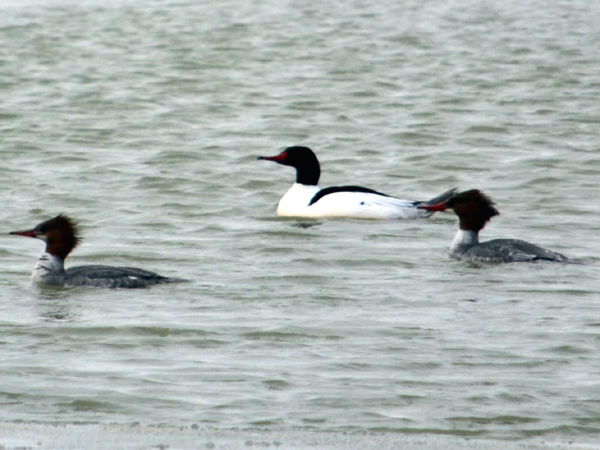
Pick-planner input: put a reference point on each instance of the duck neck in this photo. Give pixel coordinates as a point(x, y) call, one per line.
point(463, 240)
point(308, 172)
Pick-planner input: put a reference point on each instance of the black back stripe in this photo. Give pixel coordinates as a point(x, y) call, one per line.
point(332, 190)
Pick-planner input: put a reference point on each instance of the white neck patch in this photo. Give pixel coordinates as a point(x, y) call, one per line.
point(463, 240)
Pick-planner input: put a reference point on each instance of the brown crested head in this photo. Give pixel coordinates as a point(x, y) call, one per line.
point(474, 209)
point(60, 234)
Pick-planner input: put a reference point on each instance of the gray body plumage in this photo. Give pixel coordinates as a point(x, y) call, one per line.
point(113, 277)
point(50, 270)
point(506, 251)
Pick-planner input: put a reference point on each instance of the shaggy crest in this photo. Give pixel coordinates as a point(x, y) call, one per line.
point(61, 234)
point(474, 209)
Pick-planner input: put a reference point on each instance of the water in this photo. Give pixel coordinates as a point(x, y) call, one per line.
point(143, 120)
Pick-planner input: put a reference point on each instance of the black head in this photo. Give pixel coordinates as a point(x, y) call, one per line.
point(303, 159)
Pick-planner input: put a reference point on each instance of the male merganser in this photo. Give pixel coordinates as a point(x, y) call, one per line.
point(474, 209)
point(61, 236)
point(306, 199)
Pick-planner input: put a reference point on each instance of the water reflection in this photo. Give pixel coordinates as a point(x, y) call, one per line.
point(306, 225)
point(54, 304)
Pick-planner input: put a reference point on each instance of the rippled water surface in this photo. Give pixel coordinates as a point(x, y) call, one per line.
point(143, 121)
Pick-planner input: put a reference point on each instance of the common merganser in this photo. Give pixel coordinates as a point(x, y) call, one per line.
point(61, 236)
point(306, 199)
point(474, 209)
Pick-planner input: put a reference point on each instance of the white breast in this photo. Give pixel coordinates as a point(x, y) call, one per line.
point(49, 270)
point(295, 201)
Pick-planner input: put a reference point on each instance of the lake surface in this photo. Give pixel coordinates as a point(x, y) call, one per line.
point(143, 121)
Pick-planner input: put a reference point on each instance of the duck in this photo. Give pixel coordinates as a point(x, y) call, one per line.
point(306, 199)
point(61, 235)
point(474, 209)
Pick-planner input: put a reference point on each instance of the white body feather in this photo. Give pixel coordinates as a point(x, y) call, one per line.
point(346, 204)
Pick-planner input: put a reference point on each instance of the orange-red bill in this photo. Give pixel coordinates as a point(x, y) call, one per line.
point(436, 207)
point(26, 233)
point(278, 158)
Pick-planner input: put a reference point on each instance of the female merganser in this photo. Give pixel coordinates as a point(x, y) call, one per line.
point(61, 236)
point(474, 209)
point(306, 199)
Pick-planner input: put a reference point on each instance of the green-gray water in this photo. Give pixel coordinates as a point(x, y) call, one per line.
point(143, 120)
